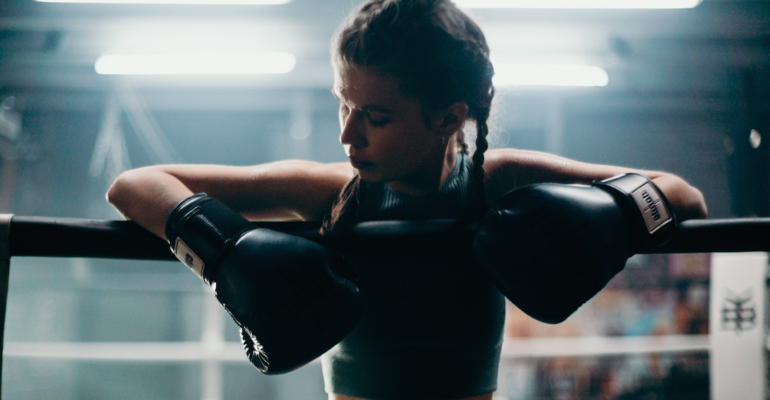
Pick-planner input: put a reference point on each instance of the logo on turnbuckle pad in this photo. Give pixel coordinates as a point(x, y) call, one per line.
point(738, 311)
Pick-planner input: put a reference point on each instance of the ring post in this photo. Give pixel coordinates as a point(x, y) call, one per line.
point(5, 269)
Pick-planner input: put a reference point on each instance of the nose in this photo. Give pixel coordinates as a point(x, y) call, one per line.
point(352, 129)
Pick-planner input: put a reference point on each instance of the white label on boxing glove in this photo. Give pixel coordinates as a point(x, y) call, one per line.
point(653, 209)
point(188, 257)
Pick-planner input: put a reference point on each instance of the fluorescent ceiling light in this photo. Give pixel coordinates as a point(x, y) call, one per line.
point(192, 63)
point(549, 75)
point(244, 2)
point(578, 3)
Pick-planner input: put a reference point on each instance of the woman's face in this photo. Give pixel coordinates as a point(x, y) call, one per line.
point(384, 132)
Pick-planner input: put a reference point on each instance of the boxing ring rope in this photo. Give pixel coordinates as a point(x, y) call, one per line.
point(65, 237)
point(60, 237)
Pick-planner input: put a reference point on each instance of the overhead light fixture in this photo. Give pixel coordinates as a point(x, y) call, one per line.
point(230, 2)
point(618, 4)
point(195, 63)
point(549, 75)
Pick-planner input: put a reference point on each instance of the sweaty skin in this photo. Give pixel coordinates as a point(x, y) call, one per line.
point(387, 139)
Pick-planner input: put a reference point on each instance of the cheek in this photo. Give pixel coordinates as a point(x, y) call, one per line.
point(420, 140)
point(408, 146)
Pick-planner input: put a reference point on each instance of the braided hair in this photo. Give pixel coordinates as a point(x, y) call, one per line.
point(439, 55)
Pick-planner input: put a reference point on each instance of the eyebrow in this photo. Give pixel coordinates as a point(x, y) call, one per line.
point(377, 108)
point(369, 107)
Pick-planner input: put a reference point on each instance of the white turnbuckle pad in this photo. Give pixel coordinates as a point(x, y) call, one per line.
point(736, 326)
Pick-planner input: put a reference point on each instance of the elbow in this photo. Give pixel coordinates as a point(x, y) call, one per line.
point(122, 190)
point(118, 189)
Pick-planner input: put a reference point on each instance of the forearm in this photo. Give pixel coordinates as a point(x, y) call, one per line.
point(290, 190)
point(686, 201)
point(147, 196)
point(509, 168)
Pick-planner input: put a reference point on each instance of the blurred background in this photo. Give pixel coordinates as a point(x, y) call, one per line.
point(683, 90)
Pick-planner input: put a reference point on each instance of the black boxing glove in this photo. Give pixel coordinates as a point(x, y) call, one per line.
point(650, 219)
point(285, 292)
point(550, 248)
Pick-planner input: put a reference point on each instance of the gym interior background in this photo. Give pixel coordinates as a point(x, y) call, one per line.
point(687, 92)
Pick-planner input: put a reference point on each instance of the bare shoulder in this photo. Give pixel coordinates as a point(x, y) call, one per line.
point(507, 169)
point(528, 165)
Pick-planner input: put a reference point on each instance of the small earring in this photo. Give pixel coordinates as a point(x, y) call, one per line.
point(443, 140)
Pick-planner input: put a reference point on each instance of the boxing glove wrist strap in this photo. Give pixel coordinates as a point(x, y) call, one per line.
point(647, 204)
point(200, 229)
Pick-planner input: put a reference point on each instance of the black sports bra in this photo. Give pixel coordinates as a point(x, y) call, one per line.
point(433, 323)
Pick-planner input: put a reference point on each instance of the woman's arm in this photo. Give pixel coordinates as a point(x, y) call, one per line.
point(508, 169)
point(287, 190)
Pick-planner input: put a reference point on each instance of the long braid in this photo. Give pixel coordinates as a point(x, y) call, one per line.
point(480, 112)
point(482, 130)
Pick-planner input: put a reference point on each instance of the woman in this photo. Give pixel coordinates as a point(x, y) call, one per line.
point(408, 76)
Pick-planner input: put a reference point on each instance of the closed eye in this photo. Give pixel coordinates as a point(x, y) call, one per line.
point(377, 119)
point(380, 122)
point(376, 116)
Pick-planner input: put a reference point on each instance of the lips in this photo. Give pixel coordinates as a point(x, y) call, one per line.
point(358, 163)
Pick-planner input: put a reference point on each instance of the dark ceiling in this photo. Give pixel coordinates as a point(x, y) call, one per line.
point(50, 45)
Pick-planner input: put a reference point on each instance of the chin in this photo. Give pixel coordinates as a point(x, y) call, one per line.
point(372, 176)
point(368, 177)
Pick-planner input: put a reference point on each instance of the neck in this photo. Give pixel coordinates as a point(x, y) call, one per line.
point(432, 177)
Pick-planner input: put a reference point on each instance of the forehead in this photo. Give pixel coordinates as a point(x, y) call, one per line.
point(360, 88)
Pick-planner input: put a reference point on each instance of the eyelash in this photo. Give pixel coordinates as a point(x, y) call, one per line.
point(379, 123)
point(376, 124)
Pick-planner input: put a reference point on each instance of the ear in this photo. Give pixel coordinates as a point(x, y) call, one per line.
point(453, 119)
